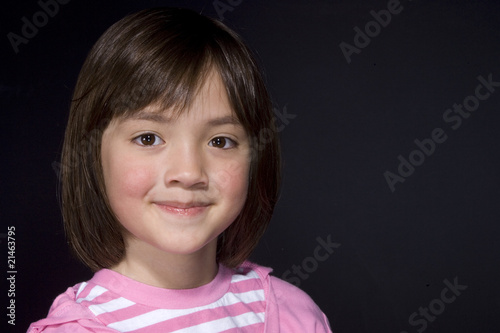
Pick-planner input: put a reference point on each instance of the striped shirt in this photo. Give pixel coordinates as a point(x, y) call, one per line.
point(246, 300)
point(230, 303)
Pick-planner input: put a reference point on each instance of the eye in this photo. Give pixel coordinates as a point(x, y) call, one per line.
point(148, 139)
point(222, 142)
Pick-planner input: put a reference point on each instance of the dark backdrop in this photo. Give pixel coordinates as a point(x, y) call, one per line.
point(387, 230)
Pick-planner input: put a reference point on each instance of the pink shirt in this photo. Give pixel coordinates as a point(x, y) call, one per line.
point(247, 299)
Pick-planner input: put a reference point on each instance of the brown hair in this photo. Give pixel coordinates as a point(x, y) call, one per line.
point(162, 56)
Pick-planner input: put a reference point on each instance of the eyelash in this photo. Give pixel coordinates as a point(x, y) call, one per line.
point(139, 141)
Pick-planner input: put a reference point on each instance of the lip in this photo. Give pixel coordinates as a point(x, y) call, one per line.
point(182, 208)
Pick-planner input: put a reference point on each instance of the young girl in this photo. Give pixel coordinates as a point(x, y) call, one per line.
point(170, 173)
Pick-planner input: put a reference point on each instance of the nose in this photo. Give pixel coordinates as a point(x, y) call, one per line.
point(185, 167)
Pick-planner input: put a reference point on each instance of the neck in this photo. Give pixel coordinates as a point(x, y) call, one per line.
point(154, 267)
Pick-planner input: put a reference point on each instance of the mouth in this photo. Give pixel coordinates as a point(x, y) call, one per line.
point(182, 208)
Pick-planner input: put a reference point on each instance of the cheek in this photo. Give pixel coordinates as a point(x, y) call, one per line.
point(126, 179)
point(232, 179)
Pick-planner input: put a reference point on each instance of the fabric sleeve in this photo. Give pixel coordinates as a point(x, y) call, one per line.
point(296, 311)
point(67, 316)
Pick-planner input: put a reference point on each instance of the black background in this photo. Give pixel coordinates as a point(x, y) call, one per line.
point(352, 121)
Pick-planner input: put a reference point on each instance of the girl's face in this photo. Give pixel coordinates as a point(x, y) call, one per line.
point(176, 183)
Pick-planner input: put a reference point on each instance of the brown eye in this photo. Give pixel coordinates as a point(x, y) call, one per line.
point(148, 139)
point(222, 143)
point(219, 142)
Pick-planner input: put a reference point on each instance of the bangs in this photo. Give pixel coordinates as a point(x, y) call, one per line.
point(162, 58)
point(160, 83)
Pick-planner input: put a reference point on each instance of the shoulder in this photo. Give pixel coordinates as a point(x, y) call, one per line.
point(297, 311)
point(289, 309)
point(68, 315)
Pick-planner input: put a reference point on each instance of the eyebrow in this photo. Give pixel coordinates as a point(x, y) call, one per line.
point(143, 115)
point(224, 121)
point(160, 118)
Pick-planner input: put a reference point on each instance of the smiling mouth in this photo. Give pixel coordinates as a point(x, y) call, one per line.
point(183, 208)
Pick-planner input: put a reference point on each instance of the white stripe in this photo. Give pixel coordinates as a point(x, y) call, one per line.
point(239, 277)
point(114, 305)
point(96, 291)
point(246, 297)
point(223, 324)
point(145, 320)
point(159, 315)
point(80, 289)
